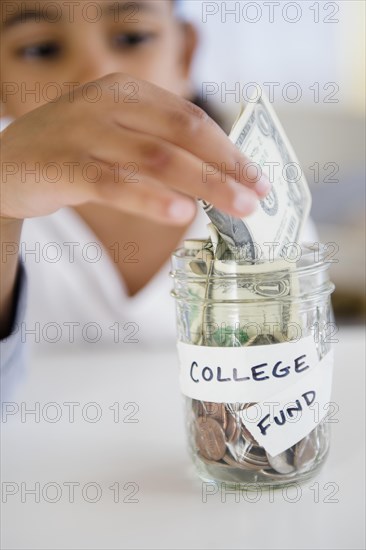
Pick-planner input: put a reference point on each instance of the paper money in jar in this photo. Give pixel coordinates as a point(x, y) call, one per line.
point(255, 378)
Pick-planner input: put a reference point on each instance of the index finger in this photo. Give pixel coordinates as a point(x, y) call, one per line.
point(160, 113)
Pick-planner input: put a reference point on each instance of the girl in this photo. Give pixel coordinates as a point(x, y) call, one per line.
point(105, 174)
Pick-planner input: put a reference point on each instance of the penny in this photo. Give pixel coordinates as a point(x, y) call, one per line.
point(216, 411)
point(232, 430)
point(210, 438)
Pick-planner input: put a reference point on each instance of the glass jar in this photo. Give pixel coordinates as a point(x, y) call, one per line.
point(254, 346)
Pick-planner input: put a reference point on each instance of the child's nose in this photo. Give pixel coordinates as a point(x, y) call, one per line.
point(93, 72)
point(93, 64)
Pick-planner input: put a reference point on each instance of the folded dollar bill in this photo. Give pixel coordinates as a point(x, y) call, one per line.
point(281, 216)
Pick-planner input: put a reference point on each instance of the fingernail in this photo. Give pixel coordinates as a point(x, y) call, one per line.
point(245, 203)
point(263, 185)
point(181, 210)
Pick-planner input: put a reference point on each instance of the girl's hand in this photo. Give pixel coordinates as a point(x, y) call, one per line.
point(138, 148)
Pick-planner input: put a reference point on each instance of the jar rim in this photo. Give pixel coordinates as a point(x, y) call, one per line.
point(302, 266)
point(293, 299)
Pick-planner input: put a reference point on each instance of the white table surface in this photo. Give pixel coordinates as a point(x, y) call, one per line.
point(151, 455)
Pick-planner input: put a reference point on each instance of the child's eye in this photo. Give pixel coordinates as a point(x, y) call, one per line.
point(130, 40)
point(45, 50)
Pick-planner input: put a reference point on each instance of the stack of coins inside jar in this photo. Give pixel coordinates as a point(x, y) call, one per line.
point(220, 440)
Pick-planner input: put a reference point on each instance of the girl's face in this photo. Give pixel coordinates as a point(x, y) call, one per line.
point(47, 48)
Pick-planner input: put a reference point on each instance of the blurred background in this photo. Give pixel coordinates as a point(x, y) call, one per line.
point(309, 57)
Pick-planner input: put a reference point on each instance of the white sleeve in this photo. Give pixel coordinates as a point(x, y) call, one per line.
point(12, 349)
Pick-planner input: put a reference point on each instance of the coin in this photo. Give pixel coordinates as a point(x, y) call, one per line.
point(222, 439)
point(306, 451)
point(283, 463)
point(247, 435)
point(198, 267)
point(232, 430)
point(262, 340)
point(255, 456)
point(210, 438)
point(275, 475)
point(242, 464)
point(216, 411)
point(251, 456)
point(197, 407)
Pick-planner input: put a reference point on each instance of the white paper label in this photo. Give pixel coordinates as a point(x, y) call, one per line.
point(288, 384)
point(280, 422)
point(244, 374)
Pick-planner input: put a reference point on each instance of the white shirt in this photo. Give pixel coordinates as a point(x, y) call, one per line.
point(73, 279)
